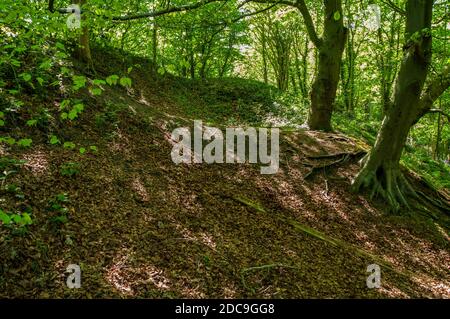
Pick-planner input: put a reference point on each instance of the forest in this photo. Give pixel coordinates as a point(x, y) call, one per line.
point(225, 149)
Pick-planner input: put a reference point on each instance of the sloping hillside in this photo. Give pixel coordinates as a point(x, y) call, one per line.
point(141, 226)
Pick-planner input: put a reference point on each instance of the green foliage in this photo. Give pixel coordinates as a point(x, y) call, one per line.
point(79, 81)
point(17, 220)
point(15, 190)
point(58, 205)
point(337, 16)
point(54, 140)
point(124, 81)
point(10, 163)
point(112, 79)
point(32, 122)
point(108, 119)
point(70, 169)
point(74, 112)
point(26, 142)
point(69, 145)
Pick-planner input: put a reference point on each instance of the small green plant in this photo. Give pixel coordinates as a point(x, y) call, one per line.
point(79, 82)
point(57, 204)
point(14, 189)
point(32, 122)
point(112, 80)
point(108, 118)
point(9, 166)
point(70, 169)
point(8, 140)
point(25, 142)
point(69, 145)
point(74, 112)
point(20, 220)
point(54, 140)
point(125, 81)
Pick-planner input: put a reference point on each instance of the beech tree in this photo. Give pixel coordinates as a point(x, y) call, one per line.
point(330, 46)
point(412, 99)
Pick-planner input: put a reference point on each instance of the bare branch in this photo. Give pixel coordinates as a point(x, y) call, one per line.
point(168, 10)
point(441, 112)
point(301, 5)
point(182, 8)
point(394, 7)
point(434, 90)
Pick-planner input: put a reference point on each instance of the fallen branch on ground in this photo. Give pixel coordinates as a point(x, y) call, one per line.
point(319, 235)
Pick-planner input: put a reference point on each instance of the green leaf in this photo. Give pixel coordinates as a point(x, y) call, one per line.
point(82, 150)
point(98, 82)
point(46, 65)
point(26, 219)
point(62, 197)
point(32, 122)
point(69, 145)
point(126, 82)
point(112, 79)
point(64, 104)
point(96, 91)
point(64, 115)
point(25, 142)
point(26, 77)
point(78, 107)
point(79, 81)
point(93, 148)
point(15, 63)
point(337, 16)
point(72, 114)
point(4, 217)
point(2, 123)
point(9, 140)
point(54, 140)
point(60, 46)
point(161, 70)
point(17, 218)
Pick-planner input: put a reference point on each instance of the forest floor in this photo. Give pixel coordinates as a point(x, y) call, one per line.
point(141, 226)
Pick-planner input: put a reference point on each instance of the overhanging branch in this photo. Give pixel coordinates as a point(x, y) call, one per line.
point(301, 5)
point(394, 7)
point(441, 112)
point(157, 13)
point(436, 87)
point(182, 8)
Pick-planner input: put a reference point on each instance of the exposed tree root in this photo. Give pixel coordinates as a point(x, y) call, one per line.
point(389, 183)
point(396, 187)
point(340, 158)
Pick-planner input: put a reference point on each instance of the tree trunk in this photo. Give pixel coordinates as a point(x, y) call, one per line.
point(84, 50)
point(154, 47)
point(381, 170)
point(323, 92)
point(264, 55)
